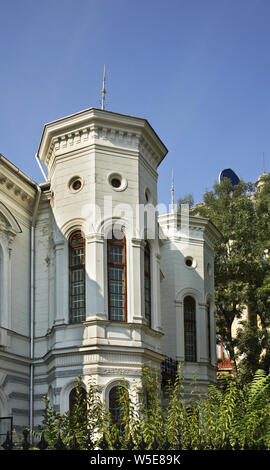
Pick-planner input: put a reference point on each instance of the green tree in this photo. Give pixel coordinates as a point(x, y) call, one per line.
point(187, 199)
point(241, 270)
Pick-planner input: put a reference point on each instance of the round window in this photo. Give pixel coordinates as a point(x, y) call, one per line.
point(116, 182)
point(75, 184)
point(190, 262)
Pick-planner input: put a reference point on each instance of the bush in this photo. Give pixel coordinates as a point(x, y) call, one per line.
point(227, 417)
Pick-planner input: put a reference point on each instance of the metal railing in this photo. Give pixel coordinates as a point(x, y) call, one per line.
point(103, 444)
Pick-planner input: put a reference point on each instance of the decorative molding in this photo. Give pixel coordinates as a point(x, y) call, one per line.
point(94, 127)
point(4, 338)
point(15, 379)
point(17, 190)
point(7, 220)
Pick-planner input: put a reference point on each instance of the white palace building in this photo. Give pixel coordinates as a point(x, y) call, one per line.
point(93, 280)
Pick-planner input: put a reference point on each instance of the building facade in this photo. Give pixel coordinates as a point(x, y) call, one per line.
point(93, 281)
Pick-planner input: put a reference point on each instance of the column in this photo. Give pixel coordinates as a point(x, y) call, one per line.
point(135, 286)
point(202, 334)
point(94, 277)
point(155, 291)
point(61, 284)
point(180, 337)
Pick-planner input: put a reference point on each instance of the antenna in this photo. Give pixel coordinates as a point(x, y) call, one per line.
point(172, 189)
point(172, 193)
point(103, 91)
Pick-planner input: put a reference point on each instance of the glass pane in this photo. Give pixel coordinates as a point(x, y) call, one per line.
point(146, 263)
point(77, 256)
point(116, 293)
point(77, 295)
point(147, 286)
point(77, 278)
point(76, 239)
point(190, 329)
point(116, 254)
point(115, 407)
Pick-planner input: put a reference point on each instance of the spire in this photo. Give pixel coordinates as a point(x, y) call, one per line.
point(103, 91)
point(172, 194)
point(172, 189)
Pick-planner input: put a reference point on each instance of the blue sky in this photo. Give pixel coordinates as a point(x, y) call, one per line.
point(198, 70)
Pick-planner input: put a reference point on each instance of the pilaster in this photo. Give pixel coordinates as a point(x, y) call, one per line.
point(180, 343)
point(155, 291)
point(61, 288)
point(137, 276)
point(95, 308)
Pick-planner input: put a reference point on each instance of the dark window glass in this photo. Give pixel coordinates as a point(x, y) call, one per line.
point(114, 403)
point(117, 277)
point(190, 328)
point(147, 284)
point(209, 332)
point(77, 277)
point(116, 183)
point(77, 397)
point(76, 185)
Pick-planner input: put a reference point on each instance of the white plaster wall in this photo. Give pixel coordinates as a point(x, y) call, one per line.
point(43, 262)
point(180, 281)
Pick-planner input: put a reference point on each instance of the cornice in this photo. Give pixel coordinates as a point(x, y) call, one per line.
point(16, 186)
point(97, 127)
point(199, 227)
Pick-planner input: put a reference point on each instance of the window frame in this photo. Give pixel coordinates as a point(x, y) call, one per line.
point(208, 308)
point(147, 275)
point(113, 398)
point(192, 322)
point(72, 268)
point(123, 265)
point(72, 399)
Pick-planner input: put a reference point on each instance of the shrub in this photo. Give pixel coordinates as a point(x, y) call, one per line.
point(227, 417)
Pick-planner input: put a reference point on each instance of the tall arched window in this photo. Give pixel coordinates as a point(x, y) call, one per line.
point(190, 328)
point(77, 277)
point(147, 284)
point(1, 286)
point(77, 397)
point(114, 403)
point(208, 331)
point(117, 284)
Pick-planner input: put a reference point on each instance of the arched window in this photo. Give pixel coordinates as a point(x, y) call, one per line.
point(147, 284)
point(209, 331)
point(77, 397)
point(190, 328)
point(1, 286)
point(117, 284)
point(77, 277)
point(114, 403)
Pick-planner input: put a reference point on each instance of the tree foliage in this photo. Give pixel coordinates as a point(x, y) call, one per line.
point(242, 281)
point(187, 199)
point(226, 417)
